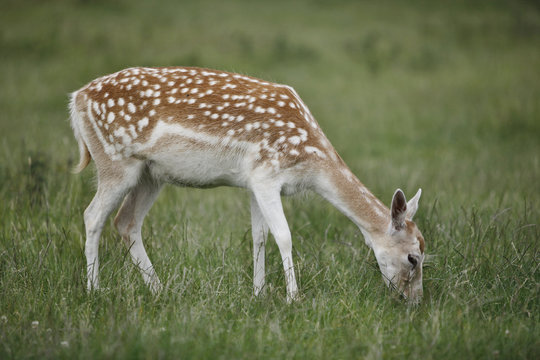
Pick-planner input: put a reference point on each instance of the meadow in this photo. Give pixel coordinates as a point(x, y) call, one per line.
point(438, 95)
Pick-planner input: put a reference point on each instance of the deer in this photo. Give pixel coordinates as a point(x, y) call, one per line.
point(146, 127)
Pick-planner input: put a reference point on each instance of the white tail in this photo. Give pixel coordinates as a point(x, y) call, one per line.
point(145, 127)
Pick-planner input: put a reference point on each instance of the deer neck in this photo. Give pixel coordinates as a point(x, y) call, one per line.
point(343, 190)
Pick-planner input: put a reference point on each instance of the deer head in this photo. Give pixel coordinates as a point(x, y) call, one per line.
point(400, 251)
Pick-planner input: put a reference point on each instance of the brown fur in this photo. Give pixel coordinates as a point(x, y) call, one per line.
point(411, 229)
point(272, 111)
point(361, 202)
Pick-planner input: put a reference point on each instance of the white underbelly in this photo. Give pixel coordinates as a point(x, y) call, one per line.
point(197, 168)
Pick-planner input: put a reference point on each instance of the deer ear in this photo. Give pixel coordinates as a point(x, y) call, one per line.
point(398, 210)
point(412, 205)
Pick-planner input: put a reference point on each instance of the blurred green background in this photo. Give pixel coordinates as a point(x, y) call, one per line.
point(440, 95)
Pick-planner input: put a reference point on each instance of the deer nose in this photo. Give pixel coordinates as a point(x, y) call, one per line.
point(413, 259)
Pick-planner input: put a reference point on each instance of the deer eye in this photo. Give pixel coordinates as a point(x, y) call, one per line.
point(413, 260)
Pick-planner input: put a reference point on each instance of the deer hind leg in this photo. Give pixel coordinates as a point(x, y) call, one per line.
point(269, 203)
point(259, 231)
point(129, 221)
point(113, 184)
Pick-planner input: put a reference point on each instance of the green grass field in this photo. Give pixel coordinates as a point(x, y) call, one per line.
point(414, 94)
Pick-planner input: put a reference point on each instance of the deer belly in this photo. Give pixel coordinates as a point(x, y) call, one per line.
point(197, 169)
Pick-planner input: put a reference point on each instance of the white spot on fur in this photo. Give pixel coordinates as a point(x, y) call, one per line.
point(295, 140)
point(228, 86)
point(314, 150)
point(95, 105)
point(110, 117)
point(132, 131)
point(142, 123)
point(303, 134)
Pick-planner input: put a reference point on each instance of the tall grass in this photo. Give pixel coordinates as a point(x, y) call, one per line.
point(442, 96)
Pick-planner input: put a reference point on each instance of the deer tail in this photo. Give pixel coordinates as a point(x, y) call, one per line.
point(76, 120)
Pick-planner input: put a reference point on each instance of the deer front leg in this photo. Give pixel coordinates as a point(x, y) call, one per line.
point(269, 202)
point(259, 231)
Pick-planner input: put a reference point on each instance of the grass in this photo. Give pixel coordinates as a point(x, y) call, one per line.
point(442, 96)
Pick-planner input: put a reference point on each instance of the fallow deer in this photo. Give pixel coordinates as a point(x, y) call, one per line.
point(145, 127)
